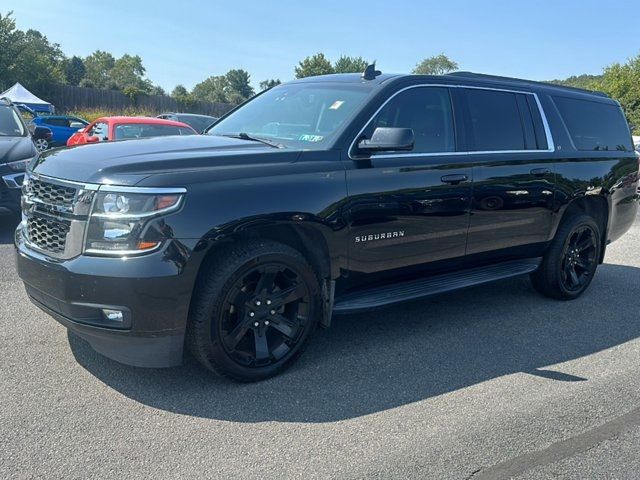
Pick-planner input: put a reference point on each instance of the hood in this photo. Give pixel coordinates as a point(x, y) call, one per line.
point(128, 162)
point(13, 149)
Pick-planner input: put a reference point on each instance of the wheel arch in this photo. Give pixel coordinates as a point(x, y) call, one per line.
point(597, 207)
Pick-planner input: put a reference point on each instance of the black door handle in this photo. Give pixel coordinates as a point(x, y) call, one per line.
point(540, 172)
point(454, 179)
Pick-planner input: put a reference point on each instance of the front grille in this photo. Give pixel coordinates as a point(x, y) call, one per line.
point(52, 194)
point(47, 234)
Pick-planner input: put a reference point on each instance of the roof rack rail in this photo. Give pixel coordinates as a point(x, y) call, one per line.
point(6, 101)
point(482, 76)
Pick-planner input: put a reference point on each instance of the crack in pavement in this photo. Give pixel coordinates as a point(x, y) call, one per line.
point(562, 449)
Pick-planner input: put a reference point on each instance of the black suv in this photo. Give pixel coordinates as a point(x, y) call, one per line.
point(325, 195)
point(16, 151)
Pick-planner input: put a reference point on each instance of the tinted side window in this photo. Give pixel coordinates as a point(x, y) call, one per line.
point(427, 111)
point(594, 125)
point(494, 120)
point(57, 122)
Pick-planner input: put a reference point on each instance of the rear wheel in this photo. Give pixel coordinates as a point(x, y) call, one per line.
point(570, 263)
point(42, 144)
point(253, 311)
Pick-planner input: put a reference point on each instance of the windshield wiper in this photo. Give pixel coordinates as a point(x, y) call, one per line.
point(246, 136)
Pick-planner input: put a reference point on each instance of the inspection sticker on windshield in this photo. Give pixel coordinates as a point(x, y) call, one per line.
point(336, 105)
point(311, 138)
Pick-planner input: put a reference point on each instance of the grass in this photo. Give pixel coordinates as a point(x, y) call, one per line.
point(90, 114)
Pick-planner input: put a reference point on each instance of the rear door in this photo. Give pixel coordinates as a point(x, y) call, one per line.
point(513, 171)
point(410, 208)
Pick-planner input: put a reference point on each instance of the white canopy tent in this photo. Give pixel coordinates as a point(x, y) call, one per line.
point(19, 94)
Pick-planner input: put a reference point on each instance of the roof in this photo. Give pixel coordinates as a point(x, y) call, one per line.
point(461, 77)
point(147, 120)
point(347, 78)
point(19, 94)
point(520, 82)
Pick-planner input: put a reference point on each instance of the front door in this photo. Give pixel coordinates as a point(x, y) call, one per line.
point(410, 208)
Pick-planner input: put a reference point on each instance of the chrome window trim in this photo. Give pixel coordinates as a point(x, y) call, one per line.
point(547, 130)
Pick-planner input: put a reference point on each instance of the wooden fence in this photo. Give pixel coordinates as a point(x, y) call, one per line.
point(67, 97)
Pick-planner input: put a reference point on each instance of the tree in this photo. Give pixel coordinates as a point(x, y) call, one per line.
point(317, 64)
point(622, 82)
point(157, 90)
point(437, 65)
point(98, 67)
point(346, 64)
point(8, 50)
point(589, 82)
point(75, 71)
point(38, 63)
point(212, 89)
point(128, 73)
point(179, 92)
point(238, 85)
point(270, 83)
point(182, 95)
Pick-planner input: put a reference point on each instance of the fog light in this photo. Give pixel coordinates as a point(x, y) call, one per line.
point(113, 315)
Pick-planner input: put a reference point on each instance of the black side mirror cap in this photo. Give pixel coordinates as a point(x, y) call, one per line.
point(388, 139)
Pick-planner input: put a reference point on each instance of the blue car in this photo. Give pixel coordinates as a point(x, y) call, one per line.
point(61, 126)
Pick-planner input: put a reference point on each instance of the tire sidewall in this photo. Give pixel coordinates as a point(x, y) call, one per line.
point(217, 354)
point(573, 224)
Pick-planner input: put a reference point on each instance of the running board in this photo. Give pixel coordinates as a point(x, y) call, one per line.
point(425, 287)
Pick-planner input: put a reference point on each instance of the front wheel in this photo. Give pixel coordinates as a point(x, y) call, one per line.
point(570, 263)
point(253, 311)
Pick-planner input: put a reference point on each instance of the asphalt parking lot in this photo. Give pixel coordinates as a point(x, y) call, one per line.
point(492, 382)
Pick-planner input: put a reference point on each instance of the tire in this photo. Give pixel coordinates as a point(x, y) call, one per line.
point(232, 328)
point(570, 263)
point(42, 144)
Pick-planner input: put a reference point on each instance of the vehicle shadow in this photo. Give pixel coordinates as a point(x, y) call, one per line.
point(8, 224)
point(375, 361)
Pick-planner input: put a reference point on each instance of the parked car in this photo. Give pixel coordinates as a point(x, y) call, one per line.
point(61, 126)
point(17, 149)
point(199, 122)
point(128, 128)
point(323, 196)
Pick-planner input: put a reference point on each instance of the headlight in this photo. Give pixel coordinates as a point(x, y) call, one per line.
point(128, 221)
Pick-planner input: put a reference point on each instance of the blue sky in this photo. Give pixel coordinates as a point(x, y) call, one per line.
point(187, 41)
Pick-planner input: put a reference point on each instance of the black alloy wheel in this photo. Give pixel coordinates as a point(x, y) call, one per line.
point(580, 258)
point(264, 315)
point(570, 262)
point(254, 308)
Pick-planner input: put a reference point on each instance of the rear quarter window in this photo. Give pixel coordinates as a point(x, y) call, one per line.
point(595, 126)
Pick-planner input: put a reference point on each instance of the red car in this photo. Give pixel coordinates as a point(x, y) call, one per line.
point(123, 128)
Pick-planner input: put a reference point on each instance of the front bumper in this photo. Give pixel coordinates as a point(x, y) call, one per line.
point(153, 292)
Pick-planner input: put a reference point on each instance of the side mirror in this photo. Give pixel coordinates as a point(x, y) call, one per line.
point(77, 125)
point(92, 139)
point(385, 139)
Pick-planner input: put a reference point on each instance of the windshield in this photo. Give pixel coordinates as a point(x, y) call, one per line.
point(304, 115)
point(143, 130)
point(10, 123)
